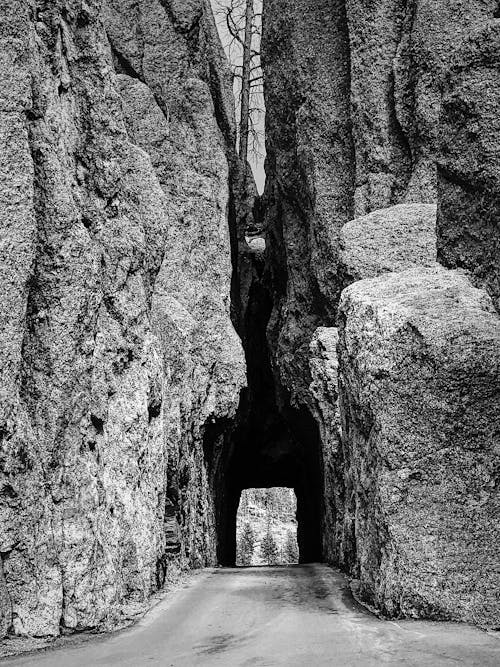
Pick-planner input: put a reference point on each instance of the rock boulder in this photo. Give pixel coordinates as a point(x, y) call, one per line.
point(392, 239)
point(419, 387)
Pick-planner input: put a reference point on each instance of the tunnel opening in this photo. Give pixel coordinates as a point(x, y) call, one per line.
point(266, 527)
point(272, 447)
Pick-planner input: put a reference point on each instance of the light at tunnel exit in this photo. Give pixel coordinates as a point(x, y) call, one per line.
point(266, 527)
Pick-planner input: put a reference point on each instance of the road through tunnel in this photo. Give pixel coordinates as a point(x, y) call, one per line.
point(283, 463)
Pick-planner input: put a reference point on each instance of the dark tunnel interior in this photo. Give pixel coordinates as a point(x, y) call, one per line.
point(287, 456)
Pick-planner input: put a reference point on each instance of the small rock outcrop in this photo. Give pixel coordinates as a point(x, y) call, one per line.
point(419, 386)
point(392, 239)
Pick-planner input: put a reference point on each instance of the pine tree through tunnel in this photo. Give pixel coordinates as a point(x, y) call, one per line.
point(266, 528)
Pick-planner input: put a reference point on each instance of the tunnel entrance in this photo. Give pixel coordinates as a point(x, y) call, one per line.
point(266, 528)
point(270, 450)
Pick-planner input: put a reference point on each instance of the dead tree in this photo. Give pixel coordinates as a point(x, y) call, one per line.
point(242, 22)
point(246, 80)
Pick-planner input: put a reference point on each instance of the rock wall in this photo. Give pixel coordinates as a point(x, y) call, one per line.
point(176, 103)
point(469, 159)
point(419, 72)
point(310, 172)
point(120, 367)
point(353, 94)
point(352, 192)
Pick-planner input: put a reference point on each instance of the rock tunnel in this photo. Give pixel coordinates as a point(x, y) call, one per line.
point(274, 452)
point(154, 363)
point(268, 445)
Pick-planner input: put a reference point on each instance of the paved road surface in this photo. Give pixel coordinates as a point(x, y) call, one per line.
point(299, 616)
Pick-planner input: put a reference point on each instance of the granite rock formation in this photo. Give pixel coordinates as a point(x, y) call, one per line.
point(391, 239)
point(469, 159)
point(132, 238)
point(310, 173)
point(400, 54)
point(352, 193)
point(419, 386)
point(410, 467)
point(120, 366)
point(353, 93)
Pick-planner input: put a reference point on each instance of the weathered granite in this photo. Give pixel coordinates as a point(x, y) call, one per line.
point(369, 145)
point(469, 159)
point(353, 97)
point(400, 53)
point(419, 357)
point(116, 277)
point(310, 173)
point(391, 239)
point(120, 369)
point(190, 302)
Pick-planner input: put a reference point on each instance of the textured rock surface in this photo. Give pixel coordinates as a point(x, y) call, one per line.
point(353, 94)
point(324, 388)
point(469, 160)
point(309, 170)
point(370, 143)
point(388, 240)
point(392, 239)
point(120, 369)
point(191, 297)
point(400, 53)
point(419, 386)
point(116, 277)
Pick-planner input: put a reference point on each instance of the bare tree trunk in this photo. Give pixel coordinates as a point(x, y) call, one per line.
point(246, 82)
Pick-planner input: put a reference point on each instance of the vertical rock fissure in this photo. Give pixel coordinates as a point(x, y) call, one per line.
point(276, 440)
point(290, 291)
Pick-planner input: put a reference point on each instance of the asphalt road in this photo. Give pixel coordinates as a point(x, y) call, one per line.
point(293, 616)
